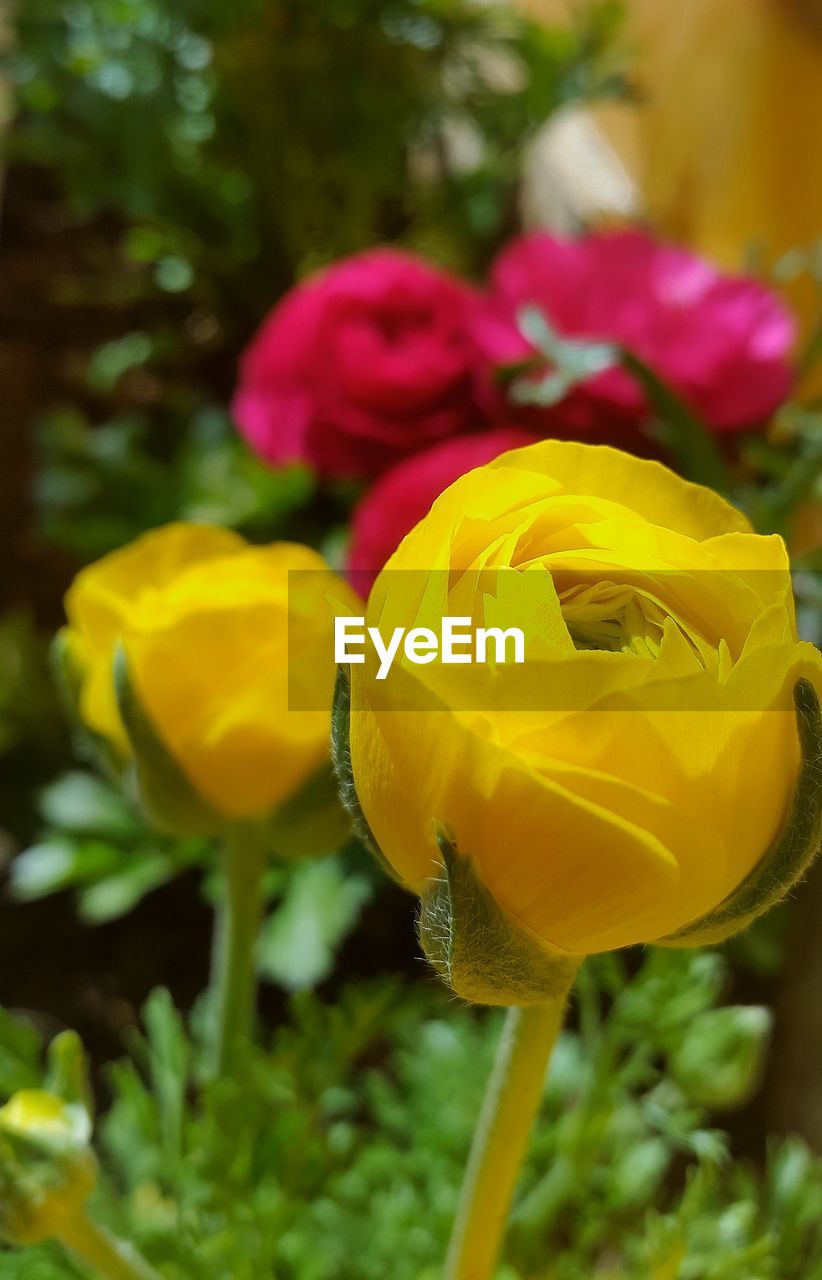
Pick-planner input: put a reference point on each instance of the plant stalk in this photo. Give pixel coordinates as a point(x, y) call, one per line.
point(234, 970)
point(109, 1257)
point(500, 1140)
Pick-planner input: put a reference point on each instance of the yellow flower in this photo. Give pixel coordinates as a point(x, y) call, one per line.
point(627, 778)
point(205, 621)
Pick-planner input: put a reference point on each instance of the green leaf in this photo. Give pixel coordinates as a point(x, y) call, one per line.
point(573, 361)
point(168, 1062)
point(110, 361)
point(679, 429)
point(719, 1064)
point(321, 904)
point(67, 1073)
point(80, 803)
point(117, 894)
point(42, 869)
point(798, 469)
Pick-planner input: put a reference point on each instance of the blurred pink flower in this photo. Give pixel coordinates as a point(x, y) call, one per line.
point(359, 366)
point(401, 498)
point(721, 342)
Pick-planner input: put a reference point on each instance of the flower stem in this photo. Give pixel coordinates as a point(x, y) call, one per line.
point(106, 1255)
point(234, 975)
point(501, 1137)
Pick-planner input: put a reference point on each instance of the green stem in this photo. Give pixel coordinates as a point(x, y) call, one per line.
point(106, 1255)
point(501, 1137)
point(234, 971)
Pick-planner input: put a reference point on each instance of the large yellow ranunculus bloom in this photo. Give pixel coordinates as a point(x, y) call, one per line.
point(630, 775)
point(203, 619)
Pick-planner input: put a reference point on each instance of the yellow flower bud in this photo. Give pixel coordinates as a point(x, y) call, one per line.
point(634, 779)
point(47, 1167)
point(178, 647)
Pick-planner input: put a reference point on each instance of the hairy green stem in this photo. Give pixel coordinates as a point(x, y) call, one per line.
point(234, 972)
point(501, 1137)
point(109, 1257)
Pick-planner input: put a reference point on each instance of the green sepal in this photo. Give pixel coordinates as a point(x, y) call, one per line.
point(167, 797)
point(481, 953)
point(791, 854)
point(312, 822)
point(341, 758)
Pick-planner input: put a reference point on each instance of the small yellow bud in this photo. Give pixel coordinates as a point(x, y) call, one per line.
point(47, 1166)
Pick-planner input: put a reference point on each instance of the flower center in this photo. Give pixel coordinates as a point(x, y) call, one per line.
point(612, 617)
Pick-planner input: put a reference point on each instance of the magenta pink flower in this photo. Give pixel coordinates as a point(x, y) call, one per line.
point(721, 342)
point(401, 498)
point(359, 366)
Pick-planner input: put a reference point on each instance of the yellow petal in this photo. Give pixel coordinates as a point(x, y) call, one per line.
point(645, 486)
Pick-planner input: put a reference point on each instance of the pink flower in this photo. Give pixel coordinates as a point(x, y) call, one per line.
point(721, 342)
point(401, 498)
point(359, 366)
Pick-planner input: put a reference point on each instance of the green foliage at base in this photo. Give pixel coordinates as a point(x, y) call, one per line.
point(337, 1154)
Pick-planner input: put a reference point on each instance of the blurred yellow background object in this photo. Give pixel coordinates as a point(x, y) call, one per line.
point(719, 139)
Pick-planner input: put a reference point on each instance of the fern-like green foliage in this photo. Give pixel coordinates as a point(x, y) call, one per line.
point(337, 1154)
